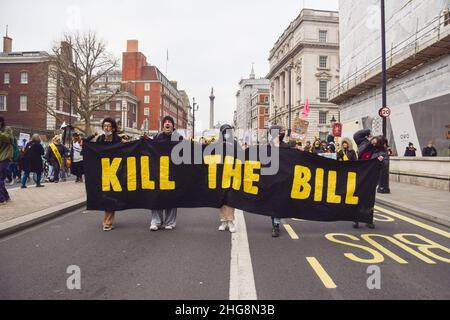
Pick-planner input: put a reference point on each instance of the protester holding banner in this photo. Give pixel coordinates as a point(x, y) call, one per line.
point(369, 148)
point(32, 161)
point(158, 221)
point(278, 134)
point(229, 146)
point(347, 153)
point(55, 155)
point(108, 137)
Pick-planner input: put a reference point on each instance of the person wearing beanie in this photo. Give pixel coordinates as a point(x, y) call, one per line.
point(158, 220)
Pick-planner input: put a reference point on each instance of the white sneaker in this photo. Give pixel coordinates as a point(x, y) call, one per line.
point(154, 227)
point(231, 227)
point(169, 227)
point(223, 226)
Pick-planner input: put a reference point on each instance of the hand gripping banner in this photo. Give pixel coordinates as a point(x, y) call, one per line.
point(281, 183)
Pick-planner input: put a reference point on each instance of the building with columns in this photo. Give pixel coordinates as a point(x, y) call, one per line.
point(304, 64)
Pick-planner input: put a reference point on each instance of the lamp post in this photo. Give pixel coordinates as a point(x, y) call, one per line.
point(383, 61)
point(194, 109)
point(276, 110)
point(290, 99)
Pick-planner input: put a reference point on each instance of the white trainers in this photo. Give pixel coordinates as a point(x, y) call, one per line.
point(154, 227)
point(223, 226)
point(169, 227)
point(231, 227)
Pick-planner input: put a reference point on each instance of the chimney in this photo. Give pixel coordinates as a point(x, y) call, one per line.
point(174, 84)
point(7, 44)
point(132, 46)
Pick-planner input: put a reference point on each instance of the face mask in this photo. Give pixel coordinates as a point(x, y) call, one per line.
point(108, 134)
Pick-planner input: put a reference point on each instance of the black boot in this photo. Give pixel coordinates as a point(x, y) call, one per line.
point(356, 225)
point(370, 226)
point(276, 231)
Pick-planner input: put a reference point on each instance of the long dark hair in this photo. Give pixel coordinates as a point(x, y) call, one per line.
point(113, 123)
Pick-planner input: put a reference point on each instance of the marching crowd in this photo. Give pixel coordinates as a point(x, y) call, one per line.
point(16, 163)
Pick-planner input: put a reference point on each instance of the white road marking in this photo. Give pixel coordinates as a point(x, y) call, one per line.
point(242, 280)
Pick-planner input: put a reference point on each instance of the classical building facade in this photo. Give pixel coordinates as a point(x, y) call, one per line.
point(304, 64)
point(247, 89)
point(418, 68)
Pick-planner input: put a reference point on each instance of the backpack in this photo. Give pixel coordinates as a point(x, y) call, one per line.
point(16, 150)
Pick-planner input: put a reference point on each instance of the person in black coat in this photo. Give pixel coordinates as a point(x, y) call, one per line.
point(429, 151)
point(370, 148)
point(32, 161)
point(410, 150)
point(347, 153)
point(54, 159)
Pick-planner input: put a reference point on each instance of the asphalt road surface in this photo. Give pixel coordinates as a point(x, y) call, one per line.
point(403, 258)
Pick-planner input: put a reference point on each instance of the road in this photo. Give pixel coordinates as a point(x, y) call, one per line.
point(196, 262)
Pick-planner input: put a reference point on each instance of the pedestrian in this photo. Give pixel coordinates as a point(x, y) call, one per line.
point(229, 147)
point(308, 146)
point(277, 133)
point(410, 150)
point(6, 155)
point(32, 161)
point(429, 150)
point(77, 164)
point(347, 153)
point(317, 147)
point(56, 154)
point(369, 148)
point(108, 137)
point(158, 221)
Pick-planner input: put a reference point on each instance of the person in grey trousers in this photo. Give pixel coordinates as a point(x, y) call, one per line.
point(170, 221)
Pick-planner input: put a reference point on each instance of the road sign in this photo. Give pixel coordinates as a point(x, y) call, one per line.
point(385, 112)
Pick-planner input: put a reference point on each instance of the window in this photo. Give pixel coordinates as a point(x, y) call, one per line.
point(23, 103)
point(2, 103)
point(146, 111)
point(323, 136)
point(118, 106)
point(323, 35)
point(323, 62)
point(6, 78)
point(323, 90)
point(107, 106)
point(147, 99)
point(323, 117)
point(24, 77)
point(147, 87)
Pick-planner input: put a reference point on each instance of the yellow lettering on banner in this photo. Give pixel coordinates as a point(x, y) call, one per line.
point(426, 246)
point(351, 188)
point(377, 257)
point(147, 184)
point(131, 174)
point(368, 238)
point(164, 180)
point(301, 187)
point(332, 197)
point(318, 194)
point(109, 175)
point(212, 162)
point(250, 177)
point(232, 170)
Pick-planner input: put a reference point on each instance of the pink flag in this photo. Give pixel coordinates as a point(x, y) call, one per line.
point(305, 112)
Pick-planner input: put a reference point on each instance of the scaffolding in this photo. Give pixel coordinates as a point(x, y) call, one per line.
point(425, 45)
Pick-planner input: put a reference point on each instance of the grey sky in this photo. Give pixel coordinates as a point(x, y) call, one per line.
point(210, 42)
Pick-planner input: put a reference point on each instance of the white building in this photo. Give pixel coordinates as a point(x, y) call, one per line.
point(304, 64)
point(418, 63)
point(248, 87)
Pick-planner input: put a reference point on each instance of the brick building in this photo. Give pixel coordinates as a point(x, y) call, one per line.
point(260, 112)
point(158, 96)
point(27, 90)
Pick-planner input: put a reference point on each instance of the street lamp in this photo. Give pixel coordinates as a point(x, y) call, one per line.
point(194, 109)
point(383, 62)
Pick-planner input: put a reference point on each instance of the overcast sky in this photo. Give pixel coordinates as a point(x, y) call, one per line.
point(211, 43)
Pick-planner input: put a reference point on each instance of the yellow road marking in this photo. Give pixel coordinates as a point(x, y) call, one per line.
point(321, 273)
point(291, 232)
point(415, 222)
point(382, 218)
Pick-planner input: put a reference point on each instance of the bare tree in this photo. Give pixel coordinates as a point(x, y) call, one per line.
point(76, 64)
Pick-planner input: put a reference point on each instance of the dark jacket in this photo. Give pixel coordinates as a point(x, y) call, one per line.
point(429, 152)
point(410, 152)
point(162, 137)
point(351, 155)
point(367, 151)
point(50, 156)
point(32, 158)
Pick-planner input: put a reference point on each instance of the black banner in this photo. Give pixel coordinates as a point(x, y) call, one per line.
point(145, 175)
